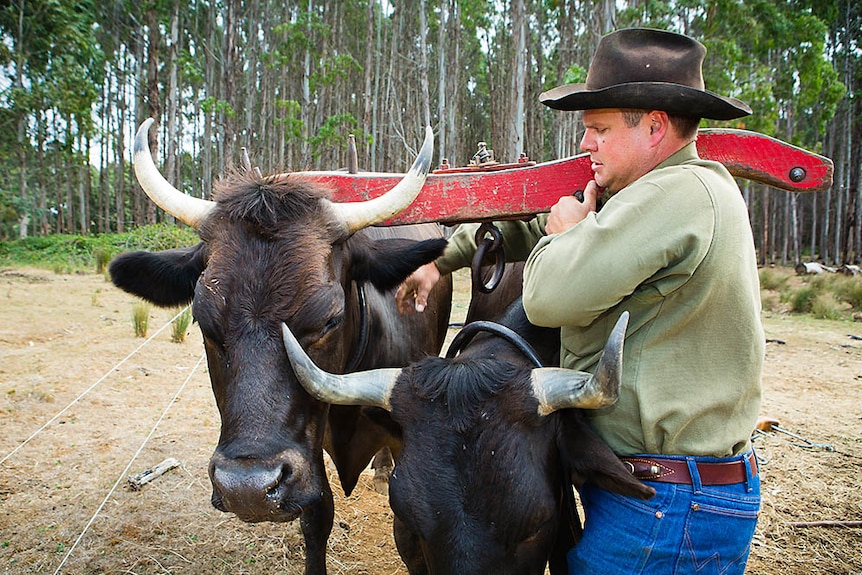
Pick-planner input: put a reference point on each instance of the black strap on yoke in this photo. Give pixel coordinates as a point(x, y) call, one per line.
point(469, 331)
point(362, 344)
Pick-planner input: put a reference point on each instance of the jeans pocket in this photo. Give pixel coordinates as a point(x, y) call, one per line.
point(619, 533)
point(717, 535)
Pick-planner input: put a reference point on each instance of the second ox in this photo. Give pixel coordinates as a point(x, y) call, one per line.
point(490, 446)
point(275, 250)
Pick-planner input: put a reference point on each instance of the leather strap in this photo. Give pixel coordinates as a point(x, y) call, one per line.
point(649, 468)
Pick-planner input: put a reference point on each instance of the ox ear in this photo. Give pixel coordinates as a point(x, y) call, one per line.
point(165, 278)
point(387, 263)
point(589, 458)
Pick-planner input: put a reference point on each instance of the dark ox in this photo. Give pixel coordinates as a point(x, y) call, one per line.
point(273, 251)
point(490, 448)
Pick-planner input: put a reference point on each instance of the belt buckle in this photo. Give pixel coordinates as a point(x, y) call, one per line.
point(646, 469)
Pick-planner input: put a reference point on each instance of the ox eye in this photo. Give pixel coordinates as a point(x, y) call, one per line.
point(332, 324)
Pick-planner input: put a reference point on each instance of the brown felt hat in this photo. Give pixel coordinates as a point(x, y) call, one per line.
point(647, 69)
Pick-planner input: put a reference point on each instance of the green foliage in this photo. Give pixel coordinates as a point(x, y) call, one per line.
point(74, 252)
point(214, 105)
point(333, 132)
point(291, 119)
point(333, 68)
point(575, 74)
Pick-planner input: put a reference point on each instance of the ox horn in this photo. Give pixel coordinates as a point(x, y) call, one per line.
point(185, 208)
point(362, 388)
point(358, 215)
point(558, 388)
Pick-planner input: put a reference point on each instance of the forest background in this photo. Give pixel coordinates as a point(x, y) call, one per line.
point(290, 80)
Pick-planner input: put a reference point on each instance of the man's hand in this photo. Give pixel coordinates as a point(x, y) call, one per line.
point(413, 293)
point(569, 211)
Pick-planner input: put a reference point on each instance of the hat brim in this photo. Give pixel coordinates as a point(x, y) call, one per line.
point(672, 98)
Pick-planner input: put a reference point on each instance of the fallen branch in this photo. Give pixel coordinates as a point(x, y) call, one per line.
point(144, 477)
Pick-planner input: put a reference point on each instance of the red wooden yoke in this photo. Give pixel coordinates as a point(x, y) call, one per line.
point(469, 196)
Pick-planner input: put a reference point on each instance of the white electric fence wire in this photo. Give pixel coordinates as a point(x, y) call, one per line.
point(125, 472)
point(89, 389)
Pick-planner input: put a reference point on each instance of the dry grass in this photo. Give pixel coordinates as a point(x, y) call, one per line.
point(55, 341)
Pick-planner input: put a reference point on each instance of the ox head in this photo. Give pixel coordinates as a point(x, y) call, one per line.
point(274, 250)
point(489, 448)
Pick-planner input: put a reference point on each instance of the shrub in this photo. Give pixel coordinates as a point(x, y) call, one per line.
point(825, 306)
point(180, 325)
point(102, 256)
point(774, 279)
point(69, 253)
point(141, 318)
point(801, 299)
point(849, 289)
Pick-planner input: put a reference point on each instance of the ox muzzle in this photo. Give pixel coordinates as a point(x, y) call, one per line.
point(276, 489)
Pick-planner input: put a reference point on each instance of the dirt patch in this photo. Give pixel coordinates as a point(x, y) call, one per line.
point(67, 368)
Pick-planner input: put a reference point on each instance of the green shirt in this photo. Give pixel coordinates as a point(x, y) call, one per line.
point(675, 249)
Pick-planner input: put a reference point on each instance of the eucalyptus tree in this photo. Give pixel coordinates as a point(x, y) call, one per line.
point(773, 55)
point(52, 66)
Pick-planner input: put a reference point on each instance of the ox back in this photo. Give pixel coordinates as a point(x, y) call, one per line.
point(483, 484)
point(270, 253)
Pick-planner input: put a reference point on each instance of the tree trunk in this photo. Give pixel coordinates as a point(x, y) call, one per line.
point(515, 144)
point(230, 74)
point(22, 124)
point(454, 82)
point(171, 104)
point(305, 109)
point(423, 64)
point(375, 107)
point(368, 78)
point(84, 188)
point(441, 79)
point(154, 105)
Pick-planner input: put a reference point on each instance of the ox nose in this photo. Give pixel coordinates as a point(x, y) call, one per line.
point(253, 490)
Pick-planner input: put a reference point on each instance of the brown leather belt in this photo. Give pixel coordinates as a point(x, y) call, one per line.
point(648, 468)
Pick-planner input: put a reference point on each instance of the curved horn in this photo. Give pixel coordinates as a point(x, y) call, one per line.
point(559, 388)
point(371, 387)
point(185, 208)
point(358, 215)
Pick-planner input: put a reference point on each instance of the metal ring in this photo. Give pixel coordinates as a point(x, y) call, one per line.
point(489, 240)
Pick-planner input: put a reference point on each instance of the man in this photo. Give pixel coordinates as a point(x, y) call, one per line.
point(672, 245)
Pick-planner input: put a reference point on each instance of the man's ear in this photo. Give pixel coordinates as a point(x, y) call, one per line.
point(659, 125)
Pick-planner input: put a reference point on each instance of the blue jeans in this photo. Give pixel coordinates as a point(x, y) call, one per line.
point(683, 529)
